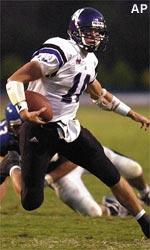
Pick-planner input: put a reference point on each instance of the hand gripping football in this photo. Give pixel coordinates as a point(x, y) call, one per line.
point(37, 101)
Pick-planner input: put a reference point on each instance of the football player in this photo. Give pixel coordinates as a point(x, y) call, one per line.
point(10, 166)
point(62, 70)
point(9, 148)
point(63, 176)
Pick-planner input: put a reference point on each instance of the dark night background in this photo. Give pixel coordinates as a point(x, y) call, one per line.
point(25, 25)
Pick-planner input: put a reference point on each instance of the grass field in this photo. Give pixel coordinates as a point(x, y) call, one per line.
point(55, 226)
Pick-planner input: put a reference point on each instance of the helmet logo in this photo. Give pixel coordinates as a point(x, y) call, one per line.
point(97, 23)
point(76, 15)
point(9, 110)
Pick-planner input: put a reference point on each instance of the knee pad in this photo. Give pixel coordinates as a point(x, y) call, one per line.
point(127, 167)
point(131, 170)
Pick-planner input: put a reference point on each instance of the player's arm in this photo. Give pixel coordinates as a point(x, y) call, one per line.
point(15, 90)
point(29, 72)
point(107, 101)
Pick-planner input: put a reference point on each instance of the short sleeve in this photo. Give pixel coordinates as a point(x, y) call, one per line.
point(50, 57)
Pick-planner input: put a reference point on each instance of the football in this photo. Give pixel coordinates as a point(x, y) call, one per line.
point(37, 101)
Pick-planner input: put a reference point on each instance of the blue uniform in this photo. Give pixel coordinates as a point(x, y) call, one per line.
point(8, 141)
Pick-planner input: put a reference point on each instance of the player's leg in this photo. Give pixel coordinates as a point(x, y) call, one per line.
point(124, 193)
point(144, 189)
point(3, 189)
point(10, 164)
point(71, 190)
point(3, 184)
point(35, 153)
point(139, 183)
point(15, 175)
point(132, 171)
point(65, 178)
point(87, 152)
point(10, 160)
point(92, 157)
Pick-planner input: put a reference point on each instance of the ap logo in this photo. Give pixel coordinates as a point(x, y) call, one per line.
point(139, 9)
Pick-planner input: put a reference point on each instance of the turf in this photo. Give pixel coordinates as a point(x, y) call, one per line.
point(55, 226)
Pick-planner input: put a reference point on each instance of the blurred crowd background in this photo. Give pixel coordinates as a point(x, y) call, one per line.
point(124, 66)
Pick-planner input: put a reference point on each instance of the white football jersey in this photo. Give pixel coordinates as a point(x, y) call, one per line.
point(67, 73)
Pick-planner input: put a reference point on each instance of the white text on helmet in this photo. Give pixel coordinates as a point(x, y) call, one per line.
point(97, 23)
